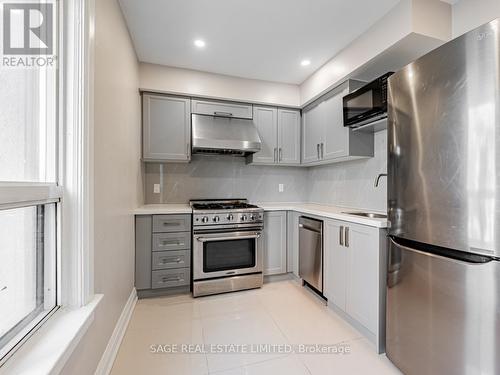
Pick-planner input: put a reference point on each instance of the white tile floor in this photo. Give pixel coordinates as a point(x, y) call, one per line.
point(279, 313)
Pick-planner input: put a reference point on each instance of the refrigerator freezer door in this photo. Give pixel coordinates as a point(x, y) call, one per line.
point(443, 315)
point(444, 145)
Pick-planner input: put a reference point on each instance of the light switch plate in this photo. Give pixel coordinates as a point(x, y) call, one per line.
point(156, 188)
point(281, 188)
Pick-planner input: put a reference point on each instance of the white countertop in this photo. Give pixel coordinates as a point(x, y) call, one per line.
point(332, 212)
point(163, 209)
point(327, 211)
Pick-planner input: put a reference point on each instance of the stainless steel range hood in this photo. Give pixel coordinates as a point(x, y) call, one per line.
point(224, 135)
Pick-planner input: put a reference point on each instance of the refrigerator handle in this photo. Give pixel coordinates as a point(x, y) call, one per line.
point(439, 252)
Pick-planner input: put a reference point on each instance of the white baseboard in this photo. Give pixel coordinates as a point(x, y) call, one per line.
point(109, 355)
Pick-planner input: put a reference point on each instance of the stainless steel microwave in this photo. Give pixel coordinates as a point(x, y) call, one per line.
point(366, 104)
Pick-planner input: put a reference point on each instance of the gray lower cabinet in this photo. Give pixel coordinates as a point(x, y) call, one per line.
point(162, 253)
point(170, 278)
point(166, 128)
point(171, 241)
point(354, 275)
point(292, 254)
point(171, 259)
point(275, 242)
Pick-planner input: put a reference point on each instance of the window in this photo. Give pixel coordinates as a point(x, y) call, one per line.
point(30, 193)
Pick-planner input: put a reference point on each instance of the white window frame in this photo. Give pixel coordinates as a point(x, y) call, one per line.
point(75, 276)
point(77, 165)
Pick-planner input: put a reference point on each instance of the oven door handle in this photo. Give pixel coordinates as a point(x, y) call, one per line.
point(245, 237)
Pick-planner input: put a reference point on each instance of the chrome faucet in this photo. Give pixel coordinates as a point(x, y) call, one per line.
point(377, 179)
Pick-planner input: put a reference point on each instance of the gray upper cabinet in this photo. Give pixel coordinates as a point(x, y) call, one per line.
point(166, 128)
point(288, 136)
point(219, 108)
point(312, 133)
point(279, 130)
point(275, 245)
point(324, 137)
point(266, 120)
point(336, 136)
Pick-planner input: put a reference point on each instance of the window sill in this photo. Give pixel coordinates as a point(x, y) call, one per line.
point(48, 349)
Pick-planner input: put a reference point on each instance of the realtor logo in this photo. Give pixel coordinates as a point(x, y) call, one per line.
point(28, 29)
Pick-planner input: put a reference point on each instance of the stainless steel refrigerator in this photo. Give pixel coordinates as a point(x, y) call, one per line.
point(443, 283)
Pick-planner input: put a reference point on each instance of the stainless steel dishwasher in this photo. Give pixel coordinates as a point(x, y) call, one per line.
point(311, 252)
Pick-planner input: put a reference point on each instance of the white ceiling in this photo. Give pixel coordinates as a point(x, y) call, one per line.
point(260, 39)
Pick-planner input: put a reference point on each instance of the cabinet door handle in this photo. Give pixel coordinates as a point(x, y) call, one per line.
point(170, 260)
point(223, 114)
point(275, 158)
point(280, 154)
point(347, 237)
point(341, 236)
point(167, 279)
point(322, 154)
point(317, 150)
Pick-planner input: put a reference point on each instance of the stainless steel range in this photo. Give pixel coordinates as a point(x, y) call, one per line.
point(227, 246)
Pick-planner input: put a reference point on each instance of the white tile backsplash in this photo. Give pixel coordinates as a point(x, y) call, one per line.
point(223, 177)
point(347, 184)
point(351, 184)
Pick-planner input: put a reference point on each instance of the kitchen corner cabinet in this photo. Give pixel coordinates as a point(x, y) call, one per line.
point(275, 242)
point(166, 128)
point(324, 137)
point(279, 129)
point(354, 276)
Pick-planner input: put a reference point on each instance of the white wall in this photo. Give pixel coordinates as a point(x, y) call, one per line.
point(418, 25)
point(191, 82)
point(118, 183)
point(469, 14)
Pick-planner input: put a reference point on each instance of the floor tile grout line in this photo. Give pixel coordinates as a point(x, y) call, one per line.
point(288, 340)
point(203, 337)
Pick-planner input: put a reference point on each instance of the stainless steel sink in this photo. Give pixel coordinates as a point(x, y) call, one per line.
point(371, 215)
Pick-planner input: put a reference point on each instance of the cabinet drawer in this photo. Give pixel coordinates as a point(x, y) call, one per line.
point(170, 278)
point(171, 223)
point(171, 259)
point(171, 241)
point(209, 107)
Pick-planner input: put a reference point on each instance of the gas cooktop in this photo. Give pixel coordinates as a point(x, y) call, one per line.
point(225, 212)
point(223, 204)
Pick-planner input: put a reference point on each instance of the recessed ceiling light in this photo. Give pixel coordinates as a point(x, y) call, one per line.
point(305, 62)
point(199, 43)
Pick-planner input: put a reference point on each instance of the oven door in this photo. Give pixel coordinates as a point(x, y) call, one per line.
point(227, 253)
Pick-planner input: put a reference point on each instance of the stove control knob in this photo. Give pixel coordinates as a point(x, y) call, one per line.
point(230, 217)
point(204, 219)
point(243, 217)
point(252, 217)
point(216, 219)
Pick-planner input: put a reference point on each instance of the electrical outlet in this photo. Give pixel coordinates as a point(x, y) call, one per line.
point(156, 188)
point(281, 188)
